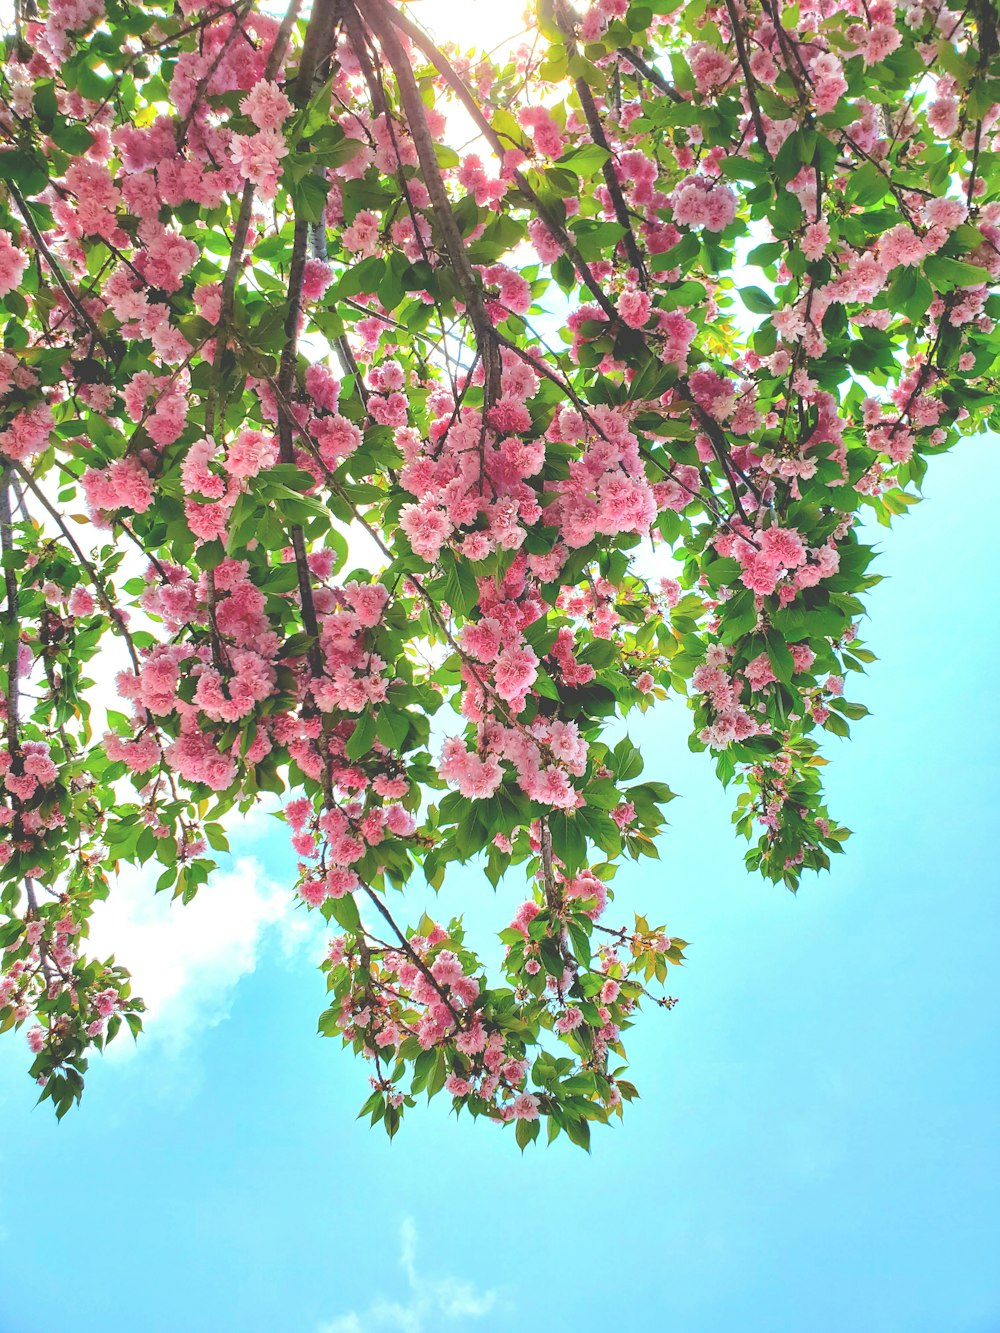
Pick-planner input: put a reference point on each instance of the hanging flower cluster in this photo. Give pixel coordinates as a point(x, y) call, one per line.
point(594, 404)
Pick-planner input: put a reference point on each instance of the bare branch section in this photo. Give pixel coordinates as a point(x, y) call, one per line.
point(380, 18)
point(413, 956)
point(241, 230)
point(739, 37)
point(564, 21)
point(315, 49)
point(98, 584)
point(552, 222)
point(11, 609)
point(56, 270)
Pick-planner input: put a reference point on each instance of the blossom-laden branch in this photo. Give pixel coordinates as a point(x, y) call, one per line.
point(335, 421)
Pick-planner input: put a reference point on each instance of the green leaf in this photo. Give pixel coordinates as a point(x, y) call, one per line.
point(586, 161)
point(947, 273)
point(360, 740)
point(780, 657)
point(391, 727)
point(309, 197)
point(756, 301)
point(27, 170)
point(345, 912)
point(766, 254)
point(71, 137)
point(525, 1132)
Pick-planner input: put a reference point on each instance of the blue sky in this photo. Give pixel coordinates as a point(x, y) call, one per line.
point(815, 1150)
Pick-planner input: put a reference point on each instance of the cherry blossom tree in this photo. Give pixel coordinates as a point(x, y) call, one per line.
point(391, 422)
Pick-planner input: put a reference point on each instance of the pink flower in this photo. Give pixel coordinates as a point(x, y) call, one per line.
point(623, 814)
point(762, 67)
point(258, 159)
point(815, 239)
point(759, 673)
point(947, 213)
point(569, 1021)
point(81, 603)
point(697, 203)
point(196, 477)
point(316, 277)
point(340, 881)
point(525, 1107)
point(481, 639)
point(509, 416)
point(476, 778)
point(942, 117)
point(337, 438)
point(515, 673)
point(313, 891)
point(28, 433)
point(367, 601)
point(760, 574)
point(196, 759)
point(12, 264)
point(125, 484)
point(710, 66)
point(634, 307)
point(251, 453)
point(322, 386)
point(168, 257)
point(782, 545)
point(362, 236)
point(803, 656)
point(208, 299)
point(427, 526)
point(545, 131)
point(345, 850)
point(881, 41)
point(901, 245)
point(266, 105)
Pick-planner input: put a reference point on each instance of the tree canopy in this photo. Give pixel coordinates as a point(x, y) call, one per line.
point(392, 421)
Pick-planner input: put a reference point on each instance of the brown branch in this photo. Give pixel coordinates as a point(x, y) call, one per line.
point(98, 584)
point(10, 585)
point(548, 873)
point(435, 614)
point(315, 48)
point(359, 44)
point(751, 82)
point(241, 229)
point(380, 17)
point(975, 164)
point(650, 74)
point(592, 116)
point(551, 221)
point(413, 956)
point(563, 383)
point(60, 277)
point(235, 31)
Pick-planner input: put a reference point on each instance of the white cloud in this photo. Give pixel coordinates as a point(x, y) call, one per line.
point(429, 1300)
point(186, 961)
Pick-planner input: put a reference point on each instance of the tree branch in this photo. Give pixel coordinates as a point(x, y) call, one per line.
point(751, 83)
point(60, 277)
point(564, 22)
point(381, 20)
point(10, 586)
point(413, 956)
point(102, 593)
